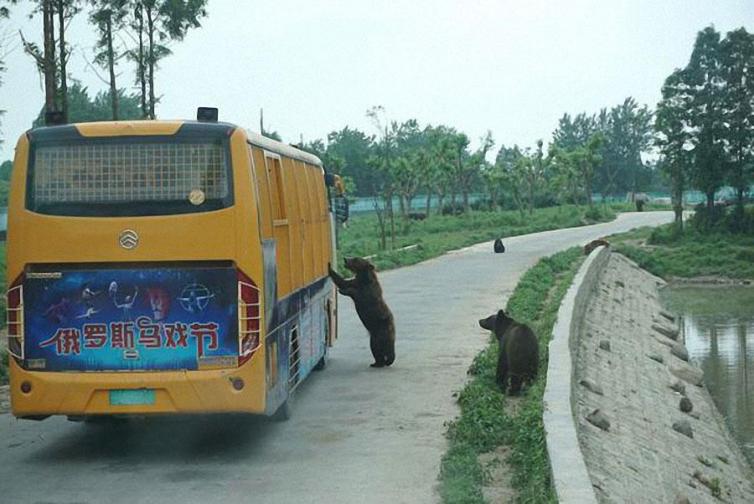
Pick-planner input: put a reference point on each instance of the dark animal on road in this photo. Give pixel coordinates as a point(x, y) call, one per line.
point(518, 356)
point(498, 246)
point(589, 247)
point(365, 290)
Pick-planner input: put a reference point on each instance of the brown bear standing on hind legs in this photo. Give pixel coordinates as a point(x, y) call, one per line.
point(366, 293)
point(519, 351)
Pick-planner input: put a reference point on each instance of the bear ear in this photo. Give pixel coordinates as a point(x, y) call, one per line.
point(370, 265)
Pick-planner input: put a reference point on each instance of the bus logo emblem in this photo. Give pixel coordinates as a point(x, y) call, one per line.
point(128, 239)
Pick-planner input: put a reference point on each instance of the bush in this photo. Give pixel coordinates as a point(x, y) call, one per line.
point(3, 367)
point(665, 235)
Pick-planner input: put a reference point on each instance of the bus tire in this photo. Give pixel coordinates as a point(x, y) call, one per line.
point(283, 413)
point(322, 364)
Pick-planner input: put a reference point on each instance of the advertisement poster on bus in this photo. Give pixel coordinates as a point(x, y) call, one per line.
point(131, 319)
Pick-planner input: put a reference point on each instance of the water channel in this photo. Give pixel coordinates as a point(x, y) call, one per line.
point(718, 324)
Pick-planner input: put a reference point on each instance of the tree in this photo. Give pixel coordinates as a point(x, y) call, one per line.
point(353, 148)
point(108, 16)
point(737, 69)
point(673, 138)
point(52, 61)
point(85, 109)
point(507, 164)
point(65, 9)
point(384, 161)
point(4, 12)
point(703, 75)
point(440, 170)
point(627, 134)
point(573, 133)
point(157, 22)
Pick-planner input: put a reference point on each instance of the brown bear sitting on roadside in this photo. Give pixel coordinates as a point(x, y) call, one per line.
point(589, 247)
point(519, 351)
point(366, 293)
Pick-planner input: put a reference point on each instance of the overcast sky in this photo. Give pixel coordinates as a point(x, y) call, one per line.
point(315, 66)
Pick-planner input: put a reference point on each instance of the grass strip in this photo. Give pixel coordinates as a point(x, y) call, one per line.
point(442, 233)
point(666, 253)
point(485, 423)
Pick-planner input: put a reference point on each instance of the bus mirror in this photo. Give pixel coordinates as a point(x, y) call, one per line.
point(207, 114)
point(340, 205)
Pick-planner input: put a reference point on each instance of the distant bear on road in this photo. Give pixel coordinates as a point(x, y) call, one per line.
point(366, 293)
point(519, 351)
point(589, 247)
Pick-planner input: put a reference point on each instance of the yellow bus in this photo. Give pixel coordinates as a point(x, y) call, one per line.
point(161, 267)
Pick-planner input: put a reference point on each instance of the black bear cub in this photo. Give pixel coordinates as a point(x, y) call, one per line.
point(519, 351)
point(365, 290)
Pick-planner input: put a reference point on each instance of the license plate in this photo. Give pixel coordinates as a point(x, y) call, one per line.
point(132, 397)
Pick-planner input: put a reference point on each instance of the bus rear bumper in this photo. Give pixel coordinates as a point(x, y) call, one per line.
point(239, 390)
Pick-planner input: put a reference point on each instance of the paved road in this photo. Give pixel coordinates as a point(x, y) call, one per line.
point(358, 434)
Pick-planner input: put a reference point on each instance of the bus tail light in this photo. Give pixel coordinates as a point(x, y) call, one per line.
point(248, 318)
point(15, 318)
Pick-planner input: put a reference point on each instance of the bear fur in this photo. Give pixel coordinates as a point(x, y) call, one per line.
point(589, 247)
point(518, 357)
point(365, 290)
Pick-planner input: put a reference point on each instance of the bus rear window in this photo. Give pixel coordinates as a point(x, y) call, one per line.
point(129, 178)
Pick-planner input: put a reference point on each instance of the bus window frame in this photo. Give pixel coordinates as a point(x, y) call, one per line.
point(132, 208)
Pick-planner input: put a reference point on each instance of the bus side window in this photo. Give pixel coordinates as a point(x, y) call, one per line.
point(276, 191)
point(281, 229)
point(261, 180)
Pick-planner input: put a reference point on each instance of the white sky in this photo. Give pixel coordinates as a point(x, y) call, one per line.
point(511, 67)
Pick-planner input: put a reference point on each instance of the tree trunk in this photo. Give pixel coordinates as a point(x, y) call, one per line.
point(391, 216)
point(429, 203)
point(49, 55)
point(466, 206)
point(440, 201)
point(677, 200)
point(63, 61)
point(531, 199)
point(111, 65)
point(141, 61)
point(152, 62)
point(710, 200)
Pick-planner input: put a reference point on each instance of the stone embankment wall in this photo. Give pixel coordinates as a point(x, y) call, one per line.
point(647, 428)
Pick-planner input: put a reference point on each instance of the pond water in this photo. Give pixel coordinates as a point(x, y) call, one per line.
point(718, 324)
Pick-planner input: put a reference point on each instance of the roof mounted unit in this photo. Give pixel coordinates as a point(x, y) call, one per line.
point(207, 114)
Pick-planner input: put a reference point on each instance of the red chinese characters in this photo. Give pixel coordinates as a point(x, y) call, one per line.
point(143, 333)
point(67, 341)
point(176, 335)
point(121, 334)
point(149, 333)
point(202, 331)
point(95, 335)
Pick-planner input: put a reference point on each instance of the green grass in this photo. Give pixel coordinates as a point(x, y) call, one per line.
point(484, 423)
point(665, 253)
point(441, 233)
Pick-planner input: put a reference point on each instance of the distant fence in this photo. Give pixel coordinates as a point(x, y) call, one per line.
point(419, 203)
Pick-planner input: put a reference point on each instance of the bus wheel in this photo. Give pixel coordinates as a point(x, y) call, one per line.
point(322, 364)
point(284, 412)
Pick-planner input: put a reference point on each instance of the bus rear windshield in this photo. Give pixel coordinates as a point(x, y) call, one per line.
point(106, 178)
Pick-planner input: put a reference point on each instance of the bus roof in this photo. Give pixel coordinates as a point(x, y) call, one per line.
point(148, 127)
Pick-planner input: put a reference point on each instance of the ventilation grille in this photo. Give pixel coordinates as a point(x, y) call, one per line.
point(129, 172)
